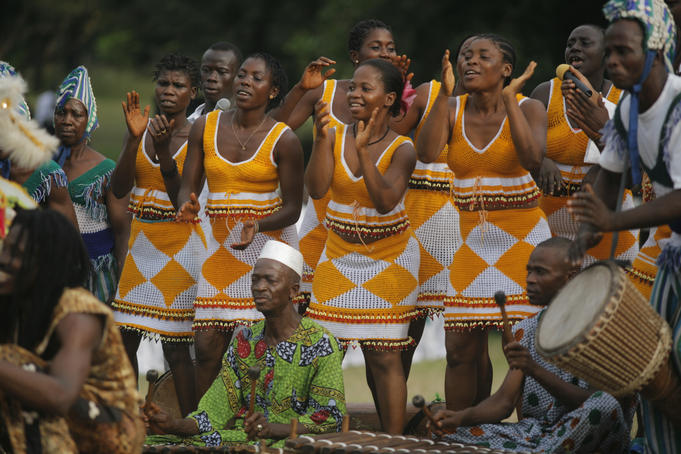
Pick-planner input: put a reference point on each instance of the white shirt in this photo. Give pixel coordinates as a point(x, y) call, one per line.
point(650, 125)
point(197, 113)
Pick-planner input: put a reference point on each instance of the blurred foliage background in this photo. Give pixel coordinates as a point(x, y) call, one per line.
point(119, 41)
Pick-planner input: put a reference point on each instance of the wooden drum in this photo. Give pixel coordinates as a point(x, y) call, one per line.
point(601, 329)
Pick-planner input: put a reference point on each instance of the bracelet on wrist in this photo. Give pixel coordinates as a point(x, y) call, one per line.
point(256, 227)
point(170, 173)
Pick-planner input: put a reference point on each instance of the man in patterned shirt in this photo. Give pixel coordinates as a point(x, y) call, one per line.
point(559, 411)
point(300, 371)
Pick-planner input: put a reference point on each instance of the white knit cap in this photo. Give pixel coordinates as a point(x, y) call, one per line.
point(284, 254)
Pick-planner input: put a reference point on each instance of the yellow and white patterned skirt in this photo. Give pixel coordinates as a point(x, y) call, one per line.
point(158, 284)
point(562, 223)
point(312, 239)
point(367, 294)
point(493, 257)
point(224, 298)
point(644, 268)
point(435, 221)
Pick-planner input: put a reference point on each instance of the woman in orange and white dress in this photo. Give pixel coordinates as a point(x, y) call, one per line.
point(252, 164)
point(495, 137)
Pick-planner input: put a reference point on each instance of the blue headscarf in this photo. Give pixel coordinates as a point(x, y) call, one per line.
point(77, 86)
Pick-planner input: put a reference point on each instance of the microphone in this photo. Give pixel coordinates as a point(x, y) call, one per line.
point(223, 104)
point(563, 72)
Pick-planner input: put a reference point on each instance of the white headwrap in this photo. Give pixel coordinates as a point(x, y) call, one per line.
point(284, 254)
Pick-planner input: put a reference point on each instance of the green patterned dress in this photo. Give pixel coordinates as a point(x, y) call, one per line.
point(39, 185)
point(88, 193)
point(300, 378)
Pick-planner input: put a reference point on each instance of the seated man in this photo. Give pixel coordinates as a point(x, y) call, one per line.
point(66, 385)
point(559, 411)
point(300, 371)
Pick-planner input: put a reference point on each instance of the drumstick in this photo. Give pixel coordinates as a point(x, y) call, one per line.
point(419, 402)
point(152, 376)
point(294, 428)
point(345, 425)
point(253, 374)
point(500, 298)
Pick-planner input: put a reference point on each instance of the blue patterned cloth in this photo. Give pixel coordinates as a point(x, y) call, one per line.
point(599, 424)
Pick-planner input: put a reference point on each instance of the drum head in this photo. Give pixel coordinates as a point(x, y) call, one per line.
point(575, 309)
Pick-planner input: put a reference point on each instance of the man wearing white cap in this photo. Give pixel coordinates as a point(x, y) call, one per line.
point(300, 373)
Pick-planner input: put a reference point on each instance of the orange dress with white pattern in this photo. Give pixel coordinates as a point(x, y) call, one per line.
point(237, 191)
point(496, 244)
point(158, 284)
point(365, 293)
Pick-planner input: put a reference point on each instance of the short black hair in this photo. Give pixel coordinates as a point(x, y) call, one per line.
point(360, 31)
point(227, 47)
point(556, 242)
point(505, 47)
point(392, 80)
point(177, 62)
point(50, 242)
point(279, 78)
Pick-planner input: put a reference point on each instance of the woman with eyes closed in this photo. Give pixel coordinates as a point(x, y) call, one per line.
point(156, 292)
point(365, 284)
point(368, 39)
point(252, 164)
point(495, 138)
point(563, 170)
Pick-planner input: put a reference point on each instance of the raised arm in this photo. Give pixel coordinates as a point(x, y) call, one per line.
point(319, 172)
point(386, 190)
point(300, 100)
point(161, 132)
point(528, 122)
point(437, 127)
point(405, 124)
point(288, 155)
point(55, 392)
point(192, 174)
point(123, 177)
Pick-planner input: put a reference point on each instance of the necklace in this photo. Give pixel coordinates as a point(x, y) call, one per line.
point(354, 134)
point(236, 136)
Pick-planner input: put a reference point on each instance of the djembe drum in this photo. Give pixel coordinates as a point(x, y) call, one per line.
point(600, 328)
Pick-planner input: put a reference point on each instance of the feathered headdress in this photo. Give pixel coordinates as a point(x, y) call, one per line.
point(7, 70)
point(27, 145)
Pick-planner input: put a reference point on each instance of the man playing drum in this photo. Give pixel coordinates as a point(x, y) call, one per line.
point(645, 131)
point(559, 411)
point(298, 366)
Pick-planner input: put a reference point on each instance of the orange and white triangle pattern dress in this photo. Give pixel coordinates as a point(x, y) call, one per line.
point(435, 221)
point(644, 267)
point(158, 284)
point(361, 293)
point(312, 230)
point(566, 146)
point(237, 191)
point(496, 243)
